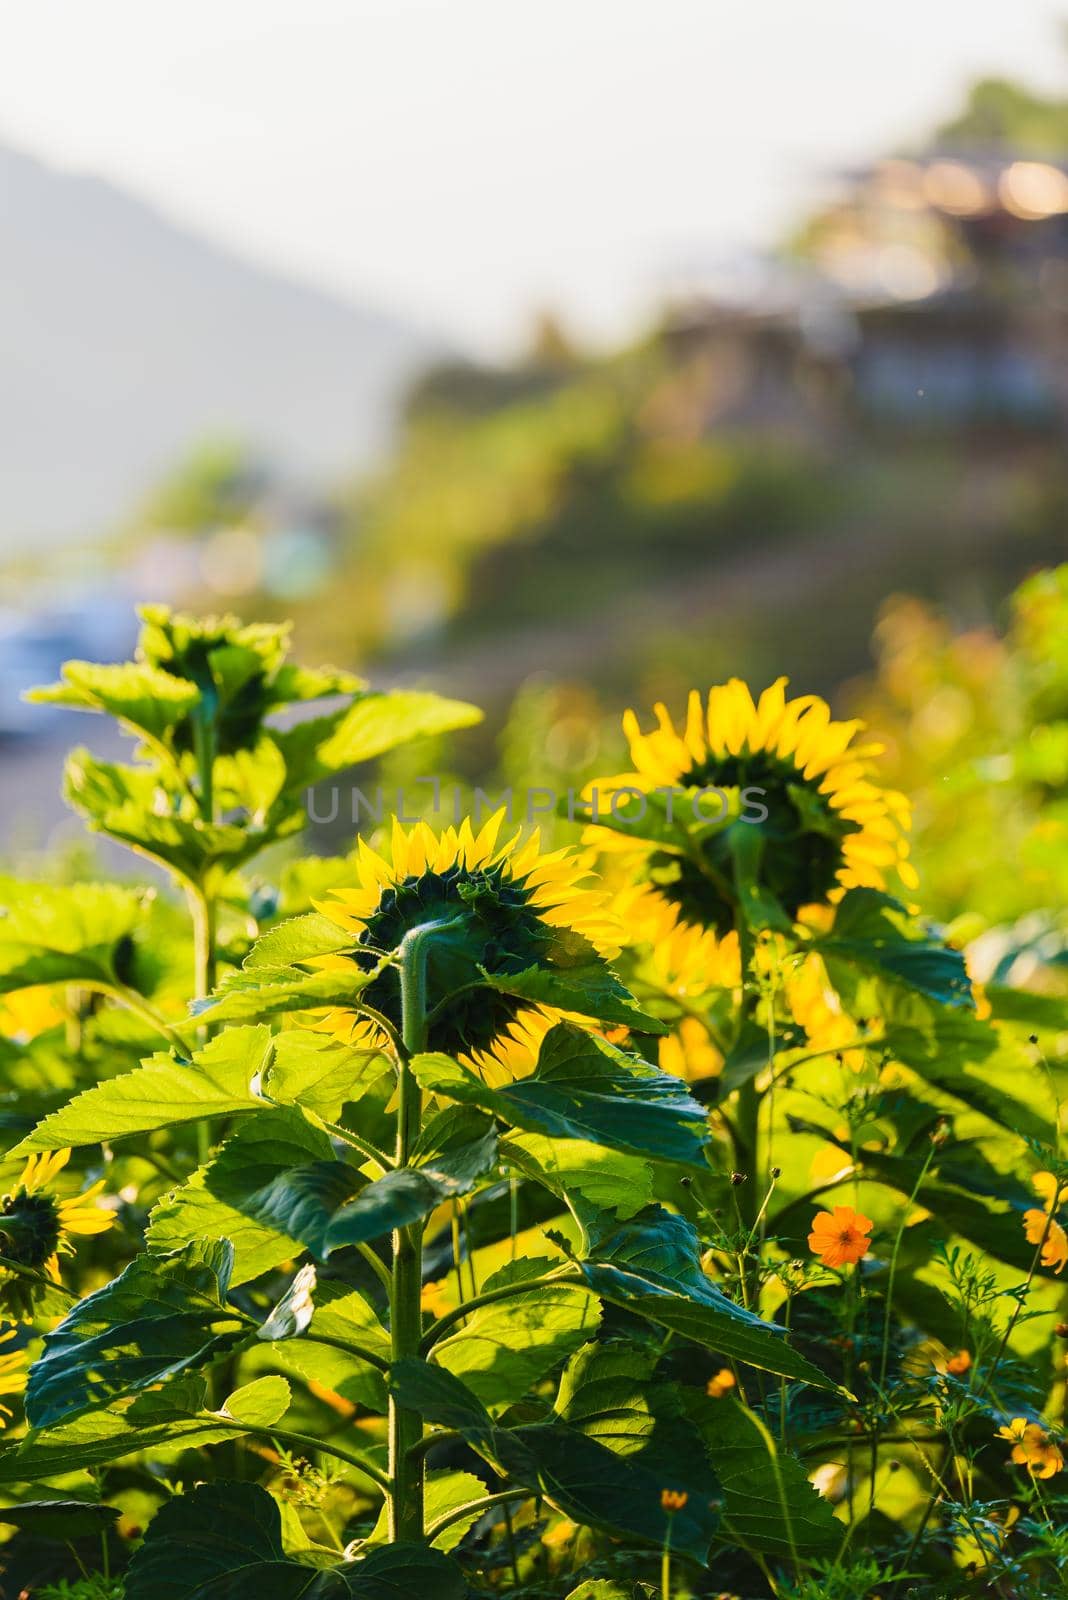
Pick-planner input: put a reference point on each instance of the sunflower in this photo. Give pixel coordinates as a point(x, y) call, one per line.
point(36, 1227)
point(12, 1375)
point(504, 908)
point(829, 826)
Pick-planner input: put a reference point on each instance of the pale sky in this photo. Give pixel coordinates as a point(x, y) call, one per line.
point(464, 162)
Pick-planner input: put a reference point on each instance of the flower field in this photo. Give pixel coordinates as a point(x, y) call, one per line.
point(669, 1202)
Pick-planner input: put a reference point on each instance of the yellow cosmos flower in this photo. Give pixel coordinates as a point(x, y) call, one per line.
point(508, 907)
point(1039, 1229)
point(36, 1227)
point(829, 825)
point(1032, 1448)
point(12, 1375)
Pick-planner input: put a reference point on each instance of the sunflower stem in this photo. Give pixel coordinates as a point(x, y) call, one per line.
point(405, 1506)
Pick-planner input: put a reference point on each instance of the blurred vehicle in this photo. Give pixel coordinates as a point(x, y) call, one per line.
point(93, 626)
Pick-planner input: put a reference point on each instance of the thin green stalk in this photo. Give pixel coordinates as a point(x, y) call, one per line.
point(351, 1347)
point(489, 1297)
point(1021, 1298)
point(482, 1504)
point(136, 1002)
point(377, 1265)
point(304, 1441)
point(893, 1261)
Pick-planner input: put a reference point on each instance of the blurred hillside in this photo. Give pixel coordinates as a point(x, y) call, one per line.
point(882, 409)
point(126, 339)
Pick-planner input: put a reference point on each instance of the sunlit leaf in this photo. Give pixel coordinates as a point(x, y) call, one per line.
point(502, 1350)
point(584, 1088)
point(218, 1082)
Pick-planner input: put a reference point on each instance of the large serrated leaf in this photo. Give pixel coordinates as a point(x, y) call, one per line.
point(408, 1194)
point(272, 991)
point(223, 1541)
point(271, 1190)
point(163, 1315)
point(504, 1349)
point(770, 1504)
point(297, 940)
point(151, 1423)
point(651, 1265)
point(584, 1088)
point(873, 932)
point(611, 1180)
point(218, 1082)
point(590, 990)
point(71, 934)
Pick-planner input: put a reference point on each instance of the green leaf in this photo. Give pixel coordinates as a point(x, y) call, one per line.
point(144, 698)
point(299, 939)
point(872, 931)
point(122, 801)
point(611, 1589)
point(163, 1093)
point(320, 1074)
point(60, 1519)
point(408, 1194)
point(272, 991)
point(379, 722)
point(443, 1493)
point(651, 1265)
point(607, 1179)
point(271, 1190)
point(153, 1422)
point(770, 1505)
point(164, 1314)
point(609, 1395)
point(584, 1088)
point(80, 933)
point(504, 1349)
point(967, 1058)
point(346, 1316)
point(441, 1397)
point(223, 1541)
point(590, 989)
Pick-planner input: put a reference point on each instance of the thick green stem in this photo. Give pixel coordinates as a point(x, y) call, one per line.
point(747, 1106)
point(406, 1427)
point(202, 907)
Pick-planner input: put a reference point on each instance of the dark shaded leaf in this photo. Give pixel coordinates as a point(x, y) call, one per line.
point(164, 1314)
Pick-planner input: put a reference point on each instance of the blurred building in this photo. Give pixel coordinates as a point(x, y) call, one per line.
point(950, 278)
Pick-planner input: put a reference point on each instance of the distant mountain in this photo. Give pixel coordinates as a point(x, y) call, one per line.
point(125, 339)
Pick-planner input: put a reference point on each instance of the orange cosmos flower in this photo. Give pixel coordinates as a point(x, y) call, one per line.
point(673, 1499)
point(840, 1236)
point(1055, 1245)
point(720, 1383)
point(959, 1364)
